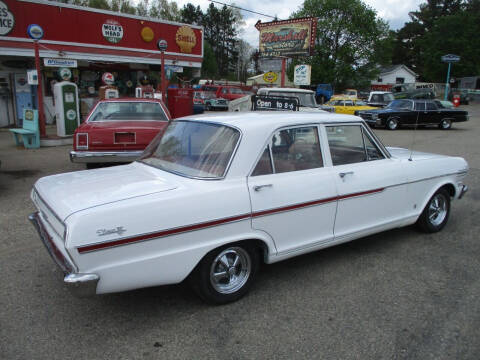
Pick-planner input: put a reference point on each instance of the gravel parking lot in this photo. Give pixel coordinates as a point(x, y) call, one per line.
point(400, 294)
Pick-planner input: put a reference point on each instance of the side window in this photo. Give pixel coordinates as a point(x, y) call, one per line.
point(292, 150)
point(431, 106)
point(373, 153)
point(348, 103)
point(264, 165)
point(346, 144)
point(296, 149)
point(420, 106)
point(224, 90)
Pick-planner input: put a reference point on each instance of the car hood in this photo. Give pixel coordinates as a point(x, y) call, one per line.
point(402, 153)
point(68, 193)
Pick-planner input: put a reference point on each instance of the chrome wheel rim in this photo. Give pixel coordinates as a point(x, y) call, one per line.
point(446, 123)
point(230, 270)
point(437, 210)
point(392, 124)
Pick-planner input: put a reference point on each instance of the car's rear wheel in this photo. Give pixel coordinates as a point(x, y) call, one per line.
point(435, 214)
point(445, 124)
point(225, 274)
point(392, 124)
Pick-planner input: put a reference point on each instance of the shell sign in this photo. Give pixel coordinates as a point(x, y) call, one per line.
point(185, 39)
point(270, 77)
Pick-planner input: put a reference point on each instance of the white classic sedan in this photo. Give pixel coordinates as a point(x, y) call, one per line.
point(213, 196)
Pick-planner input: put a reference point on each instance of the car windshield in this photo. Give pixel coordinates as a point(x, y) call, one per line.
point(401, 105)
point(193, 149)
point(128, 111)
point(388, 97)
point(306, 99)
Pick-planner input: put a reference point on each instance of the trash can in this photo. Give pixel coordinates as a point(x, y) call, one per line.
point(180, 102)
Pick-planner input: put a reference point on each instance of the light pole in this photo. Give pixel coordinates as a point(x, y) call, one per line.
point(162, 46)
point(36, 33)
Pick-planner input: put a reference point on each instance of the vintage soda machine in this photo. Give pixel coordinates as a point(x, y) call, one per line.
point(67, 112)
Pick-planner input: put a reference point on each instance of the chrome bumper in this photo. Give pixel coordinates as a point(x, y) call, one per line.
point(104, 156)
point(81, 285)
point(463, 191)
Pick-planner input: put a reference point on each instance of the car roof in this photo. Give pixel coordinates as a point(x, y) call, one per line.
point(271, 119)
point(286, 90)
point(126, 99)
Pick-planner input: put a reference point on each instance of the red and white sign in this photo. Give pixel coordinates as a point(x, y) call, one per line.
point(108, 78)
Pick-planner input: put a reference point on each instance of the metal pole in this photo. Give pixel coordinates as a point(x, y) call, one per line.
point(41, 112)
point(448, 81)
point(164, 83)
point(284, 65)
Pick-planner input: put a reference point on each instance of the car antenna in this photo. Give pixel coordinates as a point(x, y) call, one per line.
point(414, 132)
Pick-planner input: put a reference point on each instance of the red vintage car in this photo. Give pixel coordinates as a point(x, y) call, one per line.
point(228, 92)
point(118, 130)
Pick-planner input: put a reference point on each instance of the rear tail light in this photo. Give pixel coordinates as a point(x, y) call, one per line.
point(82, 141)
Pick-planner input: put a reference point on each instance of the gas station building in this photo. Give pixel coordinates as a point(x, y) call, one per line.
point(89, 42)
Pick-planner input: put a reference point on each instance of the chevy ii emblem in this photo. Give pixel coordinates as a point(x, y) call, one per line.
point(118, 230)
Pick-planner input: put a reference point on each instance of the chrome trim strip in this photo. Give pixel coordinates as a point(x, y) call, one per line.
point(104, 156)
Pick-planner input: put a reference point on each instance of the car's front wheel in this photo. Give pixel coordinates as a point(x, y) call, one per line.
point(225, 274)
point(445, 124)
point(392, 124)
point(435, 214)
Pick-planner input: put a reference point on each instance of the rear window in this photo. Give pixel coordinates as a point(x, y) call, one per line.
point(193, 149)
point(128, 111)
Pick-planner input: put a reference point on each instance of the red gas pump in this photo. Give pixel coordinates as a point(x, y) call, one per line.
point(456, 100)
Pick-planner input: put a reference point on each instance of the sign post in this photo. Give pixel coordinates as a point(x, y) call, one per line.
point(36, 33)
point(162, 46)
point(449, 58)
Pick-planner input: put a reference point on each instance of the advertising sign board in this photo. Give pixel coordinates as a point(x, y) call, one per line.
point(295, 37)
point(449, 58)
point(274, 103)
point(52, 62)
point(302, 75)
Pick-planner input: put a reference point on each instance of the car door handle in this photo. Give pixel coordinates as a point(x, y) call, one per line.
point(260, 187)
point(343, 174)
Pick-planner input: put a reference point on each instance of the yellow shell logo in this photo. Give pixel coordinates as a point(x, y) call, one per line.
point(185, 39)
point(147, 34)
point(270, 77)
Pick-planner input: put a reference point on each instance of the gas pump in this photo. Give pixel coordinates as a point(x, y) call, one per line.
point(66, 104)
point(108, 90)
point(144, 91)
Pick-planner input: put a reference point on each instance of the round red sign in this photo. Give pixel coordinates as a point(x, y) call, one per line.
point(108, 79)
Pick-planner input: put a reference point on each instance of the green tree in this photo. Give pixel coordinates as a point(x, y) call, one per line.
point(349, 42)
point(209, 64)
point(452, 34)
point(191, 14)
point(410, 47)
point(164, 9)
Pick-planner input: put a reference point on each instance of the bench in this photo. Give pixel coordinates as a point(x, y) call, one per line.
point(30, 133)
